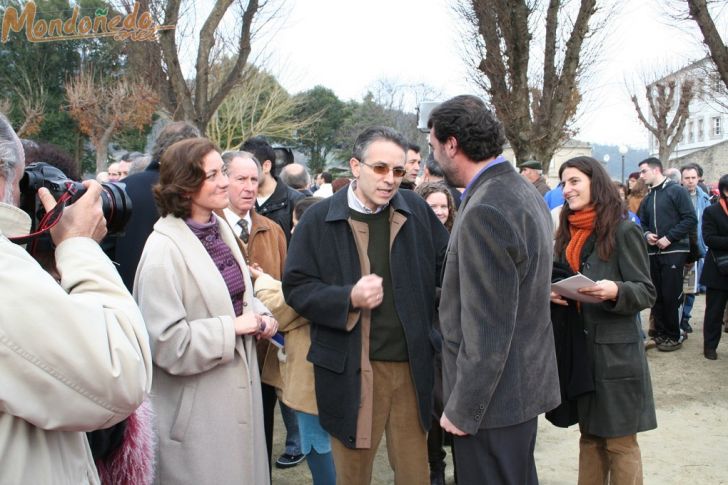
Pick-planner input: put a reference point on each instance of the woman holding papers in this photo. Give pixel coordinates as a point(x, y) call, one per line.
point(596, 239)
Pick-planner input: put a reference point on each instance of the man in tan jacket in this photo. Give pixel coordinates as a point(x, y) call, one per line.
point(263, 243)
point(74, 356)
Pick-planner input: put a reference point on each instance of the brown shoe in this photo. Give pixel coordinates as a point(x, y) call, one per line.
point(710, 354)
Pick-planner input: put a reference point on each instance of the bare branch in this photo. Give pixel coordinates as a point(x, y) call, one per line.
point(711, 37)
point(101, 109)
point(174, 71)
point(536, 107)
point(260, 106)
point(661, 100)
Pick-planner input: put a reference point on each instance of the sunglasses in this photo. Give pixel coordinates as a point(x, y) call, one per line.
point(383, 169)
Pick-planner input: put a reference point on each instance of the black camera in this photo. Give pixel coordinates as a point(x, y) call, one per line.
point(115, 202)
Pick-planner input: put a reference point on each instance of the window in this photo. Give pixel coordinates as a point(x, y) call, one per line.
point(700, 130)
point(691, 137)
point(716, 126)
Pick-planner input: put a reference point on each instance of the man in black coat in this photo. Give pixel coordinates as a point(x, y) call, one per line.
point(363, 266)
point(667, 217)
point(144, 212)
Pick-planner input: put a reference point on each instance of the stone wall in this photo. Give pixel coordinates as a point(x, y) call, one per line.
point(578, 149)
point(713, 159)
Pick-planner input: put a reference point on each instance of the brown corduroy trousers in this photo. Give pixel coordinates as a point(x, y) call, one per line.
point(609, 461)
point(394, 412)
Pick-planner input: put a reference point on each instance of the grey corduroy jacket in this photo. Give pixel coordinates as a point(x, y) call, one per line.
point(499, 362)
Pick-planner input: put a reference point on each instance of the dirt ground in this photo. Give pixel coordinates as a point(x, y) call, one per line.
point(689, 446)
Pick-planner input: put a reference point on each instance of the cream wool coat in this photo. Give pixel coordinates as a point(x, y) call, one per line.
point(206, 388)
point(74, 357)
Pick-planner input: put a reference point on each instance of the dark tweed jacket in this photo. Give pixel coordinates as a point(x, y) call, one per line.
point(499, 362)
point(622, 402)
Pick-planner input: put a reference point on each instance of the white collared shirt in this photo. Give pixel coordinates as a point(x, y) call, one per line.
point(358, 205)
point(233, 219)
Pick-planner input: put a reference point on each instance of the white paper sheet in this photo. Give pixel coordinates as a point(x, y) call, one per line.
point(568, 288)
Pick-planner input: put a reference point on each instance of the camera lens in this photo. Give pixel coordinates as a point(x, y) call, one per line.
point(116, 205)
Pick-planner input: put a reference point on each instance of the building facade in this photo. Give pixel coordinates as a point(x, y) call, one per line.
point(572, 148)
point(708, 110)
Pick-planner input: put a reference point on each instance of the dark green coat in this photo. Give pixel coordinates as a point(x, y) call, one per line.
point(622, 403)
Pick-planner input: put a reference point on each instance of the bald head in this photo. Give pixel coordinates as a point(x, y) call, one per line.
point(114, 174)
point(295, 176)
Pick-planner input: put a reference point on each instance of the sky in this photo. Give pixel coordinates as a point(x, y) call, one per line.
point(348, 46)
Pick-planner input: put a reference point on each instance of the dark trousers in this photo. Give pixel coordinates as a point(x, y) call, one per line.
point(498, 456)
point(269, 404)
point(666, 271)
point(715, 304)
point(435, 441)
point(436, 436)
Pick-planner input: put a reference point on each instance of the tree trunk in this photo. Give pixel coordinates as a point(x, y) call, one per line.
point(199, 107)
point(711, 37)
point(535, 119)
point(102, 149)
point(660, 99)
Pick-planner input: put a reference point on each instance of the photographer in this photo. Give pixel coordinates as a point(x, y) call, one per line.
point(74, 357)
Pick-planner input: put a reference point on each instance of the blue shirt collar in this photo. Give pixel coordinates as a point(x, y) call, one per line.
point(495, 162)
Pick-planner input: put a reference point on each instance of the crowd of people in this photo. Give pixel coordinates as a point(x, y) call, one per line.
point(423, 299)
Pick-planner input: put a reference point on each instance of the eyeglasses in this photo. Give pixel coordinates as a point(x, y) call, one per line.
point(383, 169)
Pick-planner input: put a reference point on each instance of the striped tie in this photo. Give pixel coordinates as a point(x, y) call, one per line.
point(244, 234)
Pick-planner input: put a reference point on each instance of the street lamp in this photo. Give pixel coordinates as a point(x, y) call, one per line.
point(623, 151)
point(606, 160)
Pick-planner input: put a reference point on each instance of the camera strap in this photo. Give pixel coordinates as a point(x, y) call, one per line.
point(49, 220)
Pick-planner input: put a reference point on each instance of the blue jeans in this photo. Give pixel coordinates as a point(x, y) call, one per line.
point(293, 437)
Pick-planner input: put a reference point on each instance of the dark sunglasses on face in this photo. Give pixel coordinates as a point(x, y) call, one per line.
point(383, 169)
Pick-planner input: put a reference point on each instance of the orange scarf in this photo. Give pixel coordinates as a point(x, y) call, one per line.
point(581, 225)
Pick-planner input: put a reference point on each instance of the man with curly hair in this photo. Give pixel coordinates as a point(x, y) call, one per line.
point(499, 362)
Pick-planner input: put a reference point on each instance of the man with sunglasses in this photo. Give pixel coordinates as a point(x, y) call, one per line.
point(363, 266)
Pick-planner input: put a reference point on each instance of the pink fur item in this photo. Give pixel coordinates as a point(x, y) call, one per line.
point(133, 462)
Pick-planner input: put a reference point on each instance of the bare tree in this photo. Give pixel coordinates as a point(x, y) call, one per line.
point(259, 106)
point(144, 59)
point(31, 99)
point(102, 109)
point(399, 102)
point(711, 36)
point(661, 101)
point(536, 111)
point(200, 98)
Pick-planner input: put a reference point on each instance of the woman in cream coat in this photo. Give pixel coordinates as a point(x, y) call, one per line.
point(196, 297)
